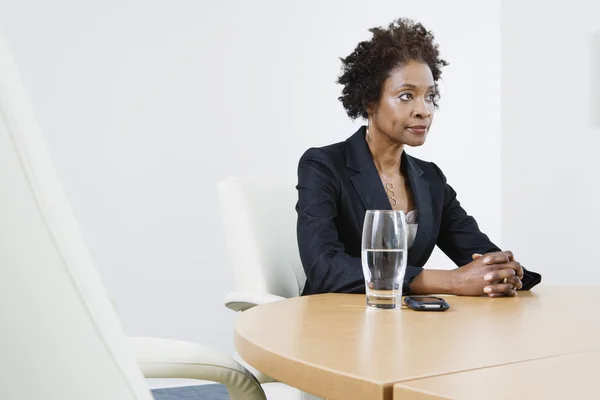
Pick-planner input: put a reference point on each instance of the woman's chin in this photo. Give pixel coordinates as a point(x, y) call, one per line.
point(416, 142)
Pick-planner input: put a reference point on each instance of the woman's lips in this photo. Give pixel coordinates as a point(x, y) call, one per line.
point(419, 129)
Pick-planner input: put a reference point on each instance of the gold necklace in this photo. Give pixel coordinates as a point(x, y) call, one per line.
point(389, 190)
point(389, 187)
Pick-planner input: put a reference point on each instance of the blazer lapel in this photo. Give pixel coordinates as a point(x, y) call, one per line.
point(366, 181)
point(420, 189)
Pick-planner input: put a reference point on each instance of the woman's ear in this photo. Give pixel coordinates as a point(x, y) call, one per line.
point(370, 108)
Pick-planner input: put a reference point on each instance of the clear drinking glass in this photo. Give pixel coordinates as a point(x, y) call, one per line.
point(384, 254)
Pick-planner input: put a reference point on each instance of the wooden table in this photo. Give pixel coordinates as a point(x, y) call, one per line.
point(572, 376)
point(334, 347)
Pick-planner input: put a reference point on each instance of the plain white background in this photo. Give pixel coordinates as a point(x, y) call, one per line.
point(551, 137)
point(145, 105)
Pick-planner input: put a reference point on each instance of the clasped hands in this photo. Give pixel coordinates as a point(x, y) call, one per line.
point(495, 274)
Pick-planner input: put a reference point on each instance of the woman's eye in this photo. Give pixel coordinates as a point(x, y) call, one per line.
point(405, 96)
point(431, 97)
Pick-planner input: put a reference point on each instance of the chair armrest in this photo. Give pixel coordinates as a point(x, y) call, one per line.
point(165, 358)
point(241, 301)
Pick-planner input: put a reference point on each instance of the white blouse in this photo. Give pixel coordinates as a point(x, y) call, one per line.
point(411, 224)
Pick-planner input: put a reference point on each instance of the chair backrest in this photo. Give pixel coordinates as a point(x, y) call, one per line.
point(59, 335)
point(259, 221)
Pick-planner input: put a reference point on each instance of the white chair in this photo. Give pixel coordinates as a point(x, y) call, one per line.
point(59, 335)
point(259, 222)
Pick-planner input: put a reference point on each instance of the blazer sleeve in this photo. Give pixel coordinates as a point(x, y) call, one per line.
point(460, 236)
point(327, 266)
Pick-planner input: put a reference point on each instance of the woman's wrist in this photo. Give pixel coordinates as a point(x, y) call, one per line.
point(453, 285)
point(435, 281)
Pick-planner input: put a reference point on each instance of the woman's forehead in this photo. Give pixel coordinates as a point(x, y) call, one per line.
point(413, 74)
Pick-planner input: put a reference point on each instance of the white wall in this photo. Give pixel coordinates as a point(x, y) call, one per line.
point(146, 104)
point(550, 171)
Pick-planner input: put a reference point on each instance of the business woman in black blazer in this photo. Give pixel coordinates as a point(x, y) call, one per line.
point(391, 81)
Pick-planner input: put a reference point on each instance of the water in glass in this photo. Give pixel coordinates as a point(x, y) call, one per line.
point(384, 255)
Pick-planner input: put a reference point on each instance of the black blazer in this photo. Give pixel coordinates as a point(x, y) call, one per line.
point(339, 182)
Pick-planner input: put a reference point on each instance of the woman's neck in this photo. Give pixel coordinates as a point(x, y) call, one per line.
point(387, 155)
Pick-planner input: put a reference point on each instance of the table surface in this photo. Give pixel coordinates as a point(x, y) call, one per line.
point(332, 346)
point(572, 376)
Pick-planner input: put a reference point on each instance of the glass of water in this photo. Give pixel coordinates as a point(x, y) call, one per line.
point(384, 254)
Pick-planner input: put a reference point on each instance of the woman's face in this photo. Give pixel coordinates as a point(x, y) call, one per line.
point(405, 109)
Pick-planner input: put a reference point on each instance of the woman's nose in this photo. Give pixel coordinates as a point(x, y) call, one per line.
point(421, 109)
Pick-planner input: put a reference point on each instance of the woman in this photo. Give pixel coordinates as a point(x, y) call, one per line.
point(391, 81)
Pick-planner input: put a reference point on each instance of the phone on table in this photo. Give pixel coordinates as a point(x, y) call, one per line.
point(426, 303)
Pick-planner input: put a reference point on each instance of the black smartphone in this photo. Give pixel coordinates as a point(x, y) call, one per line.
point(426, 303)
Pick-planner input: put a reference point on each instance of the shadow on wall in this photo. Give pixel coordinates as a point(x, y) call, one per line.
point(596, 78)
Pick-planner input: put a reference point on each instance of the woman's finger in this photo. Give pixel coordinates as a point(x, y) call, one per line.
point(515, 281)
point(498, 257)
point(500, 275)
point(515, 265)
point(505, 288)
point(510, 293)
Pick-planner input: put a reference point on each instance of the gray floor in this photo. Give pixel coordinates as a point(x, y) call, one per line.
point(203, 392)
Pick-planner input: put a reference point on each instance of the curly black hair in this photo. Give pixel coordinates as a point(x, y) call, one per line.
point(366, 68)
